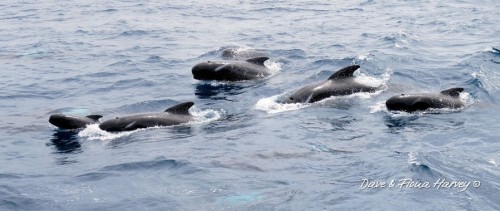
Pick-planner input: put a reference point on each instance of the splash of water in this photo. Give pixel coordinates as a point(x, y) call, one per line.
point(272, 105)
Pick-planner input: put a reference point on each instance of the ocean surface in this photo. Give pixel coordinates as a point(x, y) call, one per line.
point(246, 151)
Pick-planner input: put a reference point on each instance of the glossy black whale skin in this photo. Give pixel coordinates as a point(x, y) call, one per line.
point(339, 83)
point(172, 116)
point(72, 122)
point(449, 98)
point(231, 70)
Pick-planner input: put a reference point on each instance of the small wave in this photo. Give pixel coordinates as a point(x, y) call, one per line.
point(155, 59)
point(485, 80)
point(401, 39)
point(416, 166)
point(95, 176)
point(239, 199)
point(365, 56)
point(319, 147)
point(109, 10)
point(291, 53)
point(133, 33)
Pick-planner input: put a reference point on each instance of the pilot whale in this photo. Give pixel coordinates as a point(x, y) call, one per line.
point(339, 83)
point(172, 116)
point(73, 122)
point(449, 98)
point(231, 70)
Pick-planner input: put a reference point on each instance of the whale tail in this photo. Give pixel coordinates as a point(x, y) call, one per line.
point(344, 72)
point(454, 92)
point(182, 108)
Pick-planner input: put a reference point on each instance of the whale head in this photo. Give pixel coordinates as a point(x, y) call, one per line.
point(209, 70)
point(419, 102)
point(72, 122)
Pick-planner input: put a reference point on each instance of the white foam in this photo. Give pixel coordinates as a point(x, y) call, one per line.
point(273, 65)
point(93, 132)
point(466, 98)
point(378, 107)
point(206, 116)
point(412, 159)
point(272, 106)
point(374, 81)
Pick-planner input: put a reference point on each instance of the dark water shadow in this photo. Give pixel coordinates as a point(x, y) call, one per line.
point(396, 123)
point(66, 141)
point(217, 91)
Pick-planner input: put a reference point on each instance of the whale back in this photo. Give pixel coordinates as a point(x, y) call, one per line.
point(72, 122)
point(453, 92)
point(258, 60)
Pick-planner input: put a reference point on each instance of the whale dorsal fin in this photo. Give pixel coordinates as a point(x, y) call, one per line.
point(258, 60)
point(180, 108)
point(344, 72)
point(454, 92)
point(94, 117)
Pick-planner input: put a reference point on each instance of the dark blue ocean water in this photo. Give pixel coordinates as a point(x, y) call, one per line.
point(245, 151)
